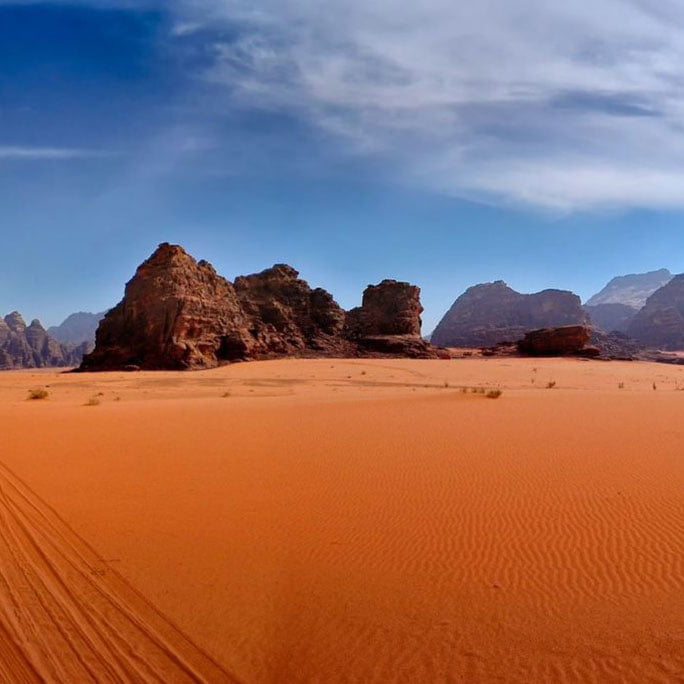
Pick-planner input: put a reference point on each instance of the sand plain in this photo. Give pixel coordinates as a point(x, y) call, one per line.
point(345, 521)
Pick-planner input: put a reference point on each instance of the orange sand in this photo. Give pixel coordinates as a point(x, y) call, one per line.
point(345, 521)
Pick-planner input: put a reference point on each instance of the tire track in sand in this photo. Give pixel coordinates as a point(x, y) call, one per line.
point(65, 616)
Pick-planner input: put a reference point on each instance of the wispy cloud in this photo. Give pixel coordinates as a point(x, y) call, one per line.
point(561, 105)
point(48, 153)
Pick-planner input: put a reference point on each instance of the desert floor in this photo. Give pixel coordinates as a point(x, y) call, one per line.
point(345, 521)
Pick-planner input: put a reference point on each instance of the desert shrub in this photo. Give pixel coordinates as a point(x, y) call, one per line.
point(494, 393)
point(551, 384)
point(621, 385)
point(225, 395)
point(93, 401)
point(38, 393)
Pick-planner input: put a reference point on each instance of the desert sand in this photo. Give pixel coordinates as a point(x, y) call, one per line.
point(345, 521)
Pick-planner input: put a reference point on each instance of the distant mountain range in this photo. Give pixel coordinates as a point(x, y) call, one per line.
point(30, 346)
point(648, 307)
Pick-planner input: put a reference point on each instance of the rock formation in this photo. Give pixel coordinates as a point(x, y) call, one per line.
point(30, 346)
point(660, 323)
point(178, 313)
point(611, 317)
point(491, 313)
point(632, 290)
point(286, 317)
point(77, 328)
point(388, 321)
point(561, 341)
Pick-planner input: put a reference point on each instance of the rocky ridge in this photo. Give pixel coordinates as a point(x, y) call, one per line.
point(178, 313)
point(30, 346)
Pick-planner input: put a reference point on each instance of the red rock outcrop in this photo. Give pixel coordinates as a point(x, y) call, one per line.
point(491, 313)
point(388, 321)
point(178, 313)
point(287, 317)
point(562, 341)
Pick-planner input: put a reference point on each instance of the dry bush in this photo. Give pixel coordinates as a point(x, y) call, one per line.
point(38, 393)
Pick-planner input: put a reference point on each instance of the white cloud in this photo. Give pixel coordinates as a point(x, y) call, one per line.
point(565, 105)
point(47, 153)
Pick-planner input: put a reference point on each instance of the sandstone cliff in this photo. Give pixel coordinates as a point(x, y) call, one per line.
point(388, 321)
point(491, 313)
point(287, 317)
point(178, 313)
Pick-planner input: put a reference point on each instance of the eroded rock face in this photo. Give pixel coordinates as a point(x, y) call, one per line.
point(176, 313)
point(30, 346)
point(287, 317)
point(560, 341)
point(389, 308)
point(492, 313)
point(388, 321)
point(660, 323)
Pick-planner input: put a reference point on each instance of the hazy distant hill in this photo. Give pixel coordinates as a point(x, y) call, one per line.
point(660, 323)
point(609, 317)
point(632, 290)
point(77, 328)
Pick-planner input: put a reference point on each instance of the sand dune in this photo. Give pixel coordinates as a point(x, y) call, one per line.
point(347, 521)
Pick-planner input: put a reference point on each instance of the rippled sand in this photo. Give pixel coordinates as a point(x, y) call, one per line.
point(345, 521)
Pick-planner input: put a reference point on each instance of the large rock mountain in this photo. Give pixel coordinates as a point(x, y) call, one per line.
point(77, 328)
point(660, 323)
point(491, 313)
point(631, 290)
point(178, 313)
point(30, 346)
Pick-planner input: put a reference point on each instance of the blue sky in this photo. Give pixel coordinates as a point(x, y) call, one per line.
point(442, 143)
